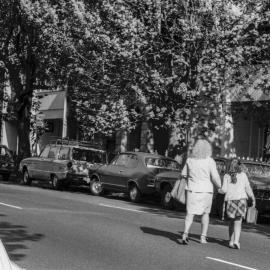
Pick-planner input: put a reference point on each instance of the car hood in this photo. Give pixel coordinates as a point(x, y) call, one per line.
point(169, 175)
point(260, 182)
point(30, 159)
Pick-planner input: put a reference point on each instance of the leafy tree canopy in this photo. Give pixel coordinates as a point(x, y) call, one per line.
point(123, 61)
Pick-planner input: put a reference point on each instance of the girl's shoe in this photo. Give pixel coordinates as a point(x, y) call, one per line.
point(185, 239)
point(236, 245)
point(231, 245)
point(203, 239)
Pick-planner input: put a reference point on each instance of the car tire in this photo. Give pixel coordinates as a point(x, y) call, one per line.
point(56, 183)
point(135, 194)
point(26, 178)
point(96, 187)
point(166, 199)
point(5, 177)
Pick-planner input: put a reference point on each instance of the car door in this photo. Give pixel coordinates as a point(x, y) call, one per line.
point(111, 174)
point(35, 165)
point(128, 171)
point(50, 165)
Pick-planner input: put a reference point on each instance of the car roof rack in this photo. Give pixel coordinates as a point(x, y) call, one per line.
point(89, 144)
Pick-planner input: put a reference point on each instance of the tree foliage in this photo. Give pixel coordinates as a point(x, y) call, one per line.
point(34, 52)
point(176, 59)
point(124, 61)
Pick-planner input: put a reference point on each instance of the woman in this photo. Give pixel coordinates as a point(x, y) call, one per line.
point(237, 190)
point(201, 173)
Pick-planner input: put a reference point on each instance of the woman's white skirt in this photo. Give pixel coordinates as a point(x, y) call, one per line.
point(199, 203)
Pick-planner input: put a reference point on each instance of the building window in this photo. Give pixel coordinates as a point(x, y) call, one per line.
point(49, 127)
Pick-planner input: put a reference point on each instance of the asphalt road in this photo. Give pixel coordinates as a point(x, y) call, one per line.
point(44, 229)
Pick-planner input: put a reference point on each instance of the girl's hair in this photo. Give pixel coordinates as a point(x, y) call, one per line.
point(235, 168)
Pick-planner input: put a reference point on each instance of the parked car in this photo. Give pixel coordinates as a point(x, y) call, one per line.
point(164, 183)
point(6, 162)
point(63, 163)
point(259, 175)
point(132, 173)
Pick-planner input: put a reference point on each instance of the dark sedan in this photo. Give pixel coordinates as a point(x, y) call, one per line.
point(6, 162)
point(258, 173)
point(132, 173)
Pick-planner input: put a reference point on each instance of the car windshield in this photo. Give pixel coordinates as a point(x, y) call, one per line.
point(254, 169)
point(88, 155)
point(162, 163)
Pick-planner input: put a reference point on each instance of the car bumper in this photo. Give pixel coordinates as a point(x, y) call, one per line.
point(78, 179)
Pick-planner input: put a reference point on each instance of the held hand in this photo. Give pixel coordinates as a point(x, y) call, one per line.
point(220, 191)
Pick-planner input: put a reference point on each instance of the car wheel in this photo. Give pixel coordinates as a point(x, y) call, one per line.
point(5, 177)
point(56, 183)
point(26, 178)
point(134, 193)
point(96, 187)
point(166, 198)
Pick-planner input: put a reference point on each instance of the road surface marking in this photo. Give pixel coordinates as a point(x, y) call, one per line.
point(122, 208)
point(12, 206)
point(235, 264)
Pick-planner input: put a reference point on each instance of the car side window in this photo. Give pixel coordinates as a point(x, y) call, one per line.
point(53, 153)
point(64, 153)
point(121, 160)
point(254, 169)
point(132, 161)
point(266, 170)
point(45, 152)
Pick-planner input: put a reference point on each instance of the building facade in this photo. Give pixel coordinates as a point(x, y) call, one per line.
point(245, 132)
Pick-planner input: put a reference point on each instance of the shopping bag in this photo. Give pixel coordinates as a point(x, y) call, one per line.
point(252, 215)
point(178, 192)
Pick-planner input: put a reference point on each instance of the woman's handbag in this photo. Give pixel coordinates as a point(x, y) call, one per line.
point(178, 192)
point(252, 215)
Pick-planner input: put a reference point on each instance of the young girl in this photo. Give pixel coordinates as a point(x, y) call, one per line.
point(237, 190)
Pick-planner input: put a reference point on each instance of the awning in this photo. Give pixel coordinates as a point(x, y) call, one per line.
point(52, 105)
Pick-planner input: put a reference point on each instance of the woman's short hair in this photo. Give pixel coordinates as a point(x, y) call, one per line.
point(201, 149)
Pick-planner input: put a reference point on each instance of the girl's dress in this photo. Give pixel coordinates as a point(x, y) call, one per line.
point(236, 195)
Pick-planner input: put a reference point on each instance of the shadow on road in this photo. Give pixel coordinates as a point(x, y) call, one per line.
point(177, 237)
point(14, 238)
point(172, 236)
point(261, 229)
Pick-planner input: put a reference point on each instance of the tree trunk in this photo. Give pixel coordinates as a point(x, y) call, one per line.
point(23, 109)
point(24, 135)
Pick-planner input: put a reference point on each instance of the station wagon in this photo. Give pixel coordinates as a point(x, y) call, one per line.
point(62, 164)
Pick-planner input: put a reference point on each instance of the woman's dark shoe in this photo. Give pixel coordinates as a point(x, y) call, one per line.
point(185, 239)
